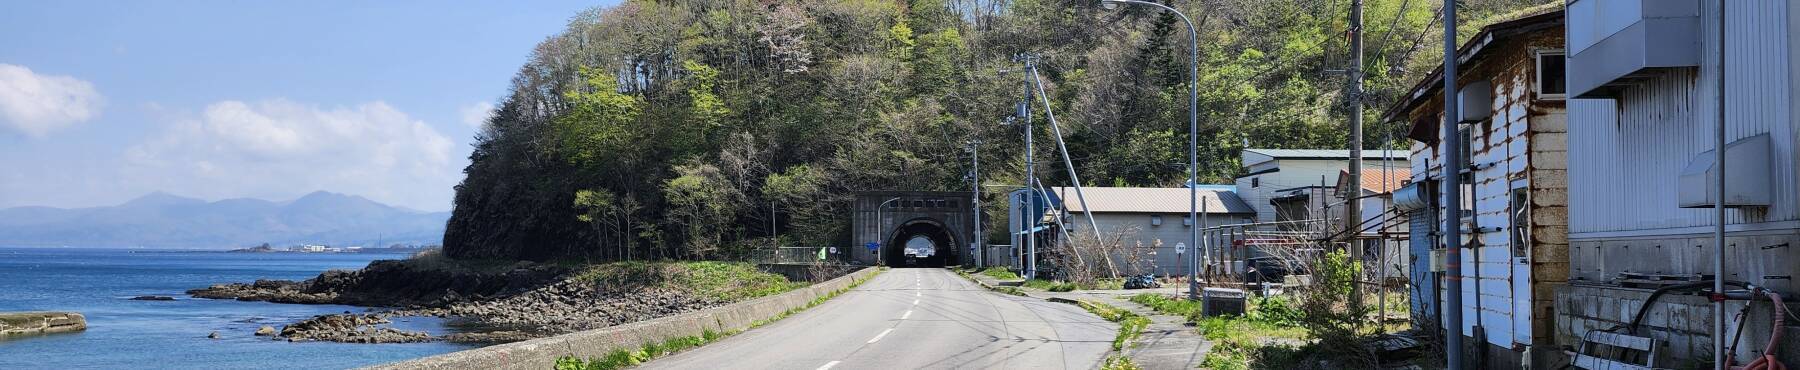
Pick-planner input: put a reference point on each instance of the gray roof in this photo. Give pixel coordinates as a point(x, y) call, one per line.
point(1153, 200)
point(1324, 153)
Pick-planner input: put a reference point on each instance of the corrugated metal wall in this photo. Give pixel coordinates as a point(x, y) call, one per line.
point(1627, 154)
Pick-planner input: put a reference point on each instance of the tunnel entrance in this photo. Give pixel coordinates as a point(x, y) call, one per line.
point(920, 243)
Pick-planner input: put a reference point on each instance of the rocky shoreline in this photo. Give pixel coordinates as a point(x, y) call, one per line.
point(491, 304)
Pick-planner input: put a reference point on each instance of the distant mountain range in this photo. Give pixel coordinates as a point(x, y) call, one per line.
point(164, 220)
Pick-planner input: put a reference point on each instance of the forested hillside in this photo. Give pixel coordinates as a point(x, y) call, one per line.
point(679, 128)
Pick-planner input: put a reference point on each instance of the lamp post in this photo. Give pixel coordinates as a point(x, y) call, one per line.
point(881, 229)
point(979, 241)
point(1193, 123)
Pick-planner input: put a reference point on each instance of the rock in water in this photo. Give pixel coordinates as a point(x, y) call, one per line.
point(24, 323)
point(214, 335)
point(265, 331)
point(351, 328)
point(152, 298)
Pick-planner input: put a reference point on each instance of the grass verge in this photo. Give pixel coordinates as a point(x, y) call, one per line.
point(1269, 336)
point(721, 281)
point(1130, 324)
point(1001, 273)
point(1002, 289)
point(620, 359)
point(1054, 286)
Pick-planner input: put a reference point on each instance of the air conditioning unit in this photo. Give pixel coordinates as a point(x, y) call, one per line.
point(1746, 176)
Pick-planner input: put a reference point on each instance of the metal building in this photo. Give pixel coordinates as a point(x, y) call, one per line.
point(1640, 156)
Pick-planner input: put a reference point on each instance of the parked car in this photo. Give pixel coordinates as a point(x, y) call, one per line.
point(1270, 269)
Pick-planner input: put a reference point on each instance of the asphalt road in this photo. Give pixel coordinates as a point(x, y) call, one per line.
point(915, 319)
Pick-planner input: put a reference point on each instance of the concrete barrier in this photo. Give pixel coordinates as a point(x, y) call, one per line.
point(542, 353)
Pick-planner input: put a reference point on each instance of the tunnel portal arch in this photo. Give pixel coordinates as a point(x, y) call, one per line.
point(942, 242)
point(883, 221)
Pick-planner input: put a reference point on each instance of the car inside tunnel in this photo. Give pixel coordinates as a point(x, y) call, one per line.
point(920, 243)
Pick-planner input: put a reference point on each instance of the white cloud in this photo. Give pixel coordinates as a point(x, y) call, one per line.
point(277, 149)
point(476, 114)
point(36, 104)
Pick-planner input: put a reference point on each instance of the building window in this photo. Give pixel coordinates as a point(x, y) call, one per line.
point(1521, 223)
point(1156, 220)
point(1255, 182)
point(1552, 67)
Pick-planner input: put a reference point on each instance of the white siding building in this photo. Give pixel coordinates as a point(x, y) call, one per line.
point(1514, 222)
point(1274, 173)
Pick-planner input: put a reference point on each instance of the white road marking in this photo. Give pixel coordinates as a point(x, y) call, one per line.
point(828, 365)
point(908, 314)
point(918, 294)
point(915, 302)
point(884, 333)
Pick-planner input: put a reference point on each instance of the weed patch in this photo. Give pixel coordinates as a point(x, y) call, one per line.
point(1117, 362)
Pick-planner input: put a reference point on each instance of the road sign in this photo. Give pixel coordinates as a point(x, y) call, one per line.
point(873, 246)
point(1180, 247)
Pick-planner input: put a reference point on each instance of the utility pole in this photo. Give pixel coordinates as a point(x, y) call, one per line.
point(979, 238)
point(1451, 141)
point(1718, 343)
point(1352, 209)
point(1030, 176)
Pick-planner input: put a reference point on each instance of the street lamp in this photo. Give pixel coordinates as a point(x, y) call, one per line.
point(881, 229)
point(978, 251)
point(1193, 126)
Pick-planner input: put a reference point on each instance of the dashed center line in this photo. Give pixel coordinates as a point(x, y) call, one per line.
point(828, 365)
point(884, 333)
point(918, 294)
point(908, 314)
point(915, 302)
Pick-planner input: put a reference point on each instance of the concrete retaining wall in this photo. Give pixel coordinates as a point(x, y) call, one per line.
point(1682, 322)
point(542, 353)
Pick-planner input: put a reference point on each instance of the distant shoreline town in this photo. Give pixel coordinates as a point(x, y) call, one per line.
point(322, 248)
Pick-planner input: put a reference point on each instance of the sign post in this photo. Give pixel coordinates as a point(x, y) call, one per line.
point(874, 248)
point(1181, 263)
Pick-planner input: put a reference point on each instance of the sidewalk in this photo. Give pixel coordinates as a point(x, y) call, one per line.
point(1168, 343)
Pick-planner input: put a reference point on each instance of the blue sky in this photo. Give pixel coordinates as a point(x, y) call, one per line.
point(101, 102)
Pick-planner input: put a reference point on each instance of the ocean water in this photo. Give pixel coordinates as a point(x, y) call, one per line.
point(123, 333)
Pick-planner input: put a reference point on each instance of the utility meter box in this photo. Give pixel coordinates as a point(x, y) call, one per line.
point(1475, 101)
